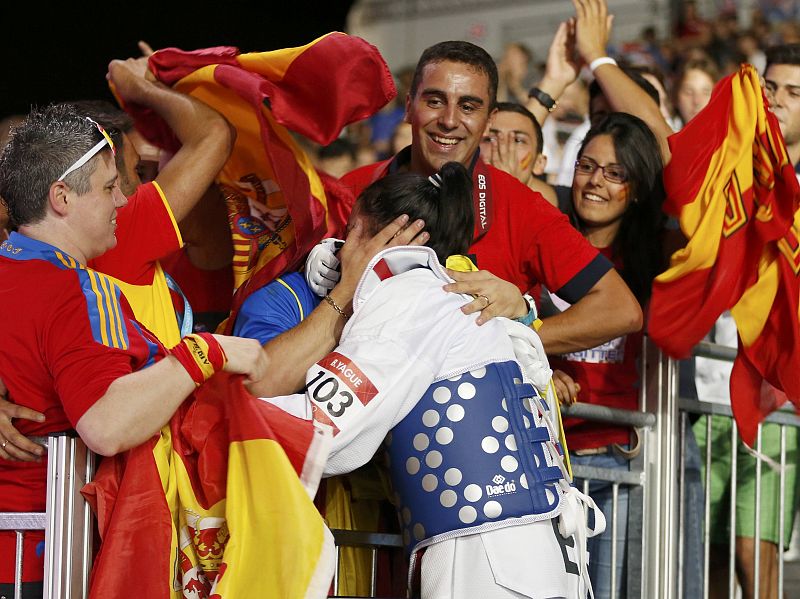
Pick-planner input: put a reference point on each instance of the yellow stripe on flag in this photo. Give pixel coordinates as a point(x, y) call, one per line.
point(702, 220)
point(273, 65)
point(276, 534)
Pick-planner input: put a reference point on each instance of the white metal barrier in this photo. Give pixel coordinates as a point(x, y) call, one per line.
point(68, 522)
point(657, 561)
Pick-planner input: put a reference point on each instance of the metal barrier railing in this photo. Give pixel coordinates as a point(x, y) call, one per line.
point(785, 419)
point(656, 481)
point(375, 542)
point(68, 523)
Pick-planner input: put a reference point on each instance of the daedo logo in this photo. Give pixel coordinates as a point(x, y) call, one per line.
point(501, 486)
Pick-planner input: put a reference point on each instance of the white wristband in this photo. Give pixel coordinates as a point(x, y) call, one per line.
point(601, 61)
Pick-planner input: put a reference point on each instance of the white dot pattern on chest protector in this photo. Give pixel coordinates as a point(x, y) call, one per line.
point(509, 463)
point(467, 514)
point(511, 443)
point(479, 373)
point(453, 476)
point(448, 498)
point(430, 418)
point(466, 390)
point(492, 509)
point(472, 493)
point(442, 395)
point(490, 445)
point(443, 466)
point(444, 435)
point(455, 413)
point(419, 532)
point(433, 459)
point(499, 424)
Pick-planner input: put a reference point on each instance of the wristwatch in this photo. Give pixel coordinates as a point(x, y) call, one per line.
point(543, 98)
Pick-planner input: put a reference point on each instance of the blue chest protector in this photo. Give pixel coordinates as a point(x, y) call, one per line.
point(472, 456)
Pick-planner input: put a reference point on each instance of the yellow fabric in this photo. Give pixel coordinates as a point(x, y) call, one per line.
point(198, 349)
point(749, 313)
point(460, 263)
point(152, 304)
point(552, 399)
point(257, 469)
point(273, 65)
point(345, 511)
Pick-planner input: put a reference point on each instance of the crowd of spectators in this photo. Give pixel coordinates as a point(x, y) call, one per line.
point(581, 130)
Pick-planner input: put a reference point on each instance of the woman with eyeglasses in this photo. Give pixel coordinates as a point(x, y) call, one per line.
point(617, 194)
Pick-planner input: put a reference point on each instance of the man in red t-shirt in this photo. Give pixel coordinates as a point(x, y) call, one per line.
point(147, 228)
point(520, 239)
point(72, 348)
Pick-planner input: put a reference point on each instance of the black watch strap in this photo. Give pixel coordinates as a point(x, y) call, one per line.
point(543, 98)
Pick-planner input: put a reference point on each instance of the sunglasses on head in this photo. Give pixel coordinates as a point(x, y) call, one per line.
point(93, 151)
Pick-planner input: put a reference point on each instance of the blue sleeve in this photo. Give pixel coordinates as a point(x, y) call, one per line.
point(274, 309)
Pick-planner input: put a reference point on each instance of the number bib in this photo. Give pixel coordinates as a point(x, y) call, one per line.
point(338, 390)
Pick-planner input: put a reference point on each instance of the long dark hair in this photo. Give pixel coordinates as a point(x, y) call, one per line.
point(638, 243)
point(443, 201)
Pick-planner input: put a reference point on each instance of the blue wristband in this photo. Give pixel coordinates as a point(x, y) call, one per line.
point(528, 319)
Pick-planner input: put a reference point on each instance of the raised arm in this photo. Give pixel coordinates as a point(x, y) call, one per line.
point(561, 69)
point(592, 28)
point(206, 137)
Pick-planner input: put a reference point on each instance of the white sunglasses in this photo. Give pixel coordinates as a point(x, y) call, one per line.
point(94, 150)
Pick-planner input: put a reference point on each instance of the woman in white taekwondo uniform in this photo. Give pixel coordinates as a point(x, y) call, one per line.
point(481, 488)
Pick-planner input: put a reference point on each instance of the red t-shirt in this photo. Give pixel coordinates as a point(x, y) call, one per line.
point(608, 376)
point(529, 242)
point(68, 333)
point(146, 232)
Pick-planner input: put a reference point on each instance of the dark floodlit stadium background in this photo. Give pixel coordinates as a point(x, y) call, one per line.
point(60, 50)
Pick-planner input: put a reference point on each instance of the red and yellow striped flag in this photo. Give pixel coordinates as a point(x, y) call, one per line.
point(223, 511)
point(734, 189)
point(279, 207)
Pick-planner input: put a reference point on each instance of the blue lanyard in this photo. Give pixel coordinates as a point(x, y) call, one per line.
point(185, 322)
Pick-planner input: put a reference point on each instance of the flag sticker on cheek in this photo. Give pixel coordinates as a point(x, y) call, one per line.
point(339, 390)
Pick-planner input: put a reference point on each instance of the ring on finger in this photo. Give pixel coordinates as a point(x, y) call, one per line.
point(3, 444)
point(486, 298)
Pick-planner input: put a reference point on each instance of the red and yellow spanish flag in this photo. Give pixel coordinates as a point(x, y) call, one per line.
point(224, 510)
point(732, 186)
point(279, 207)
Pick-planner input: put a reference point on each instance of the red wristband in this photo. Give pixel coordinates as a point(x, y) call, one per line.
point(201, 355)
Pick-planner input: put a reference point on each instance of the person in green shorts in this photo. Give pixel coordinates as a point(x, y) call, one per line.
point(712, 380)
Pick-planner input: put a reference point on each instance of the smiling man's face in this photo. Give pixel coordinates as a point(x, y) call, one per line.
point(448, 115)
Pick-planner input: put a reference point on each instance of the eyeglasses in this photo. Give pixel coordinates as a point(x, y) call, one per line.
point(94, 150)
point(613, 173)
